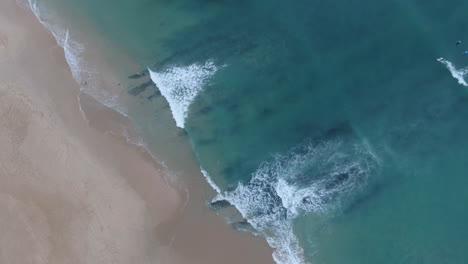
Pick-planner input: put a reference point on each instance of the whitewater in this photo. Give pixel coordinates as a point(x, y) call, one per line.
point(277, 194)
point(180, 85)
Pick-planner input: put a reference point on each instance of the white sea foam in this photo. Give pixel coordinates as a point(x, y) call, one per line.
point(458, 74)
point(312, 179)
point(84, 73)
point(210, 181)
point(180, 86)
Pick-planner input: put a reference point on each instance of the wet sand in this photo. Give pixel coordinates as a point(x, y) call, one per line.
point(71, 192)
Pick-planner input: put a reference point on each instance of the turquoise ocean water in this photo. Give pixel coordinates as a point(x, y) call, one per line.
point(330, 126)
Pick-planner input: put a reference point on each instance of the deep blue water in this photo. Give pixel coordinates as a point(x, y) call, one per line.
point(330, 125)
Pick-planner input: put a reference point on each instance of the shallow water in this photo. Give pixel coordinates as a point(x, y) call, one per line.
point(330, 126)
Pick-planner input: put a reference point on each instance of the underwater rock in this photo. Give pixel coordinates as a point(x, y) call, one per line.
point(243, 225)
point(265, 113)
point(219, 204)
point(338, 130)
point(140, 88)
point(157, 93)
point(337, 180)
point(138, 75)
point(205, 110)
point(373, 191)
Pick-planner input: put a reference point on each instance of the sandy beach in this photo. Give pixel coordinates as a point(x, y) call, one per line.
point(71, 193)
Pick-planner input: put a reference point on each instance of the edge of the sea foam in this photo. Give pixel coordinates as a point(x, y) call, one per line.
point(139, 142)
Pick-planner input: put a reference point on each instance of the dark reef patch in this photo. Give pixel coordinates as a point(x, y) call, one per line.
point(157, 93)
point(138, 75)
point(219, 204)
point(140, 88)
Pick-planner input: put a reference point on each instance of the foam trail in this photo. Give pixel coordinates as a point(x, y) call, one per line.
point(180, 86)
point(457, 74)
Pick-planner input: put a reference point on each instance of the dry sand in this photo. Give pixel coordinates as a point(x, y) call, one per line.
point(72, 194)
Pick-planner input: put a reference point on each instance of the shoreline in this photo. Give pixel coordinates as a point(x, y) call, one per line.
point(98, 198)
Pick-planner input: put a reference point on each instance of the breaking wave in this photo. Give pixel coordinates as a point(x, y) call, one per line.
point(458, 74)
point(318, 178)
point(210, 181)
point(180, 86)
